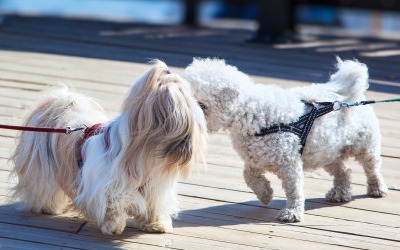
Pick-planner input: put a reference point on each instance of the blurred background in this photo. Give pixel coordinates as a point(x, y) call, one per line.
point(210, 12)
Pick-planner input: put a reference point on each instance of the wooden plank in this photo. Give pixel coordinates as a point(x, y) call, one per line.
point(242, 217)
point(316, 185)
point(319, 208)
point(7, 243)
point(321, 219)
point(218, 220)
point(110, 100)
point(127, 71)
point(213, 42)
point(240, 235)
point(69, 222)
point(246, 232)
point(174, 240)
point(168, 46)
point(57, 239)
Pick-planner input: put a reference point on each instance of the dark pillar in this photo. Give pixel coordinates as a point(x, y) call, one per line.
point(191, 12)
point(276, 21)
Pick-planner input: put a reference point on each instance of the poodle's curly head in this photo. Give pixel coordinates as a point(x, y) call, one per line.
point(219, 89)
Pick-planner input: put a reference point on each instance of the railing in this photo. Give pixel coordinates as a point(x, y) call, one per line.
point(276, 17)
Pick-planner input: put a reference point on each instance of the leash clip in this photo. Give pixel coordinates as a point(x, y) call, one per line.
point(69, 129)
point(337, 105)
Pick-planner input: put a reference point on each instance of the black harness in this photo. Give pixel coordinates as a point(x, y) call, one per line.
point(303, 125)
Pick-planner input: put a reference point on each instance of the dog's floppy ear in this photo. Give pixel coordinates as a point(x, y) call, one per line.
point(228, 95)
point(177, 124)
point(165, 123)
point(173, 113)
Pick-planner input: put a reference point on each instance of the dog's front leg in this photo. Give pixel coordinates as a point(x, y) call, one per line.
point(115, 219)
point(256, 180)
point(293, 184)
point(157, 224)
point(162, 203)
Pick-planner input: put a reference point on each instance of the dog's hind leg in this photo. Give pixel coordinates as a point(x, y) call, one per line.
point(42, 200)
point(293, 183)
point(256, 180)
point(372, 167)
point(341, 190)
point(37, 188)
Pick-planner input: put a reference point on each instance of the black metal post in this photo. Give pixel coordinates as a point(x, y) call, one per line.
point(191, 12)
point(276, 21)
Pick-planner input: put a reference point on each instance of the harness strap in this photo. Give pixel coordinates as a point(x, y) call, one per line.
point(90, 131)
point(302, 127)
point(87, 133)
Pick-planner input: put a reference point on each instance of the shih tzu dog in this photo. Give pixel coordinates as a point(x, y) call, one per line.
point(126, 167)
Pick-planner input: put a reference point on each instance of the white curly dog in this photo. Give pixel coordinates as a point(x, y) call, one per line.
point(233, 102)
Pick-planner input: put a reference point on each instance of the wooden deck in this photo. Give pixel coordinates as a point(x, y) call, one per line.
point(102, 59)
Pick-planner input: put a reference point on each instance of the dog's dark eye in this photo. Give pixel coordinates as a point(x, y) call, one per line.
point(202, 106)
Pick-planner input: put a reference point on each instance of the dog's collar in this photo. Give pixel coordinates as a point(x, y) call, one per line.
point(303, 125)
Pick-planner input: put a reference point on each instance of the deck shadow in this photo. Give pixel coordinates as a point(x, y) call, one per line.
point(57, 230)
point(249, 212)
point(69, 223)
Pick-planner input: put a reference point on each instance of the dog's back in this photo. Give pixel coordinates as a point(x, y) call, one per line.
point(348, 132)
point(39, 155)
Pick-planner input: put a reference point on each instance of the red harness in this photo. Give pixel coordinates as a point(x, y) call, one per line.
point(89, 132)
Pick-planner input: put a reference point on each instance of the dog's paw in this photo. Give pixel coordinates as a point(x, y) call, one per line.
point(266, 194)
point(48, 211)
point(157, 228)
point(290, 215)
point(265, 197)
point(338, 195)
point(113, 227)
point(377, 191)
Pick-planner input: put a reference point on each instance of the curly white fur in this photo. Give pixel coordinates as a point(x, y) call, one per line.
point(233, 102)
point(130, 169)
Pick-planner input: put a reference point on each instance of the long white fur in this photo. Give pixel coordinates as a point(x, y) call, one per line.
point(233, 102)
point(130, 169)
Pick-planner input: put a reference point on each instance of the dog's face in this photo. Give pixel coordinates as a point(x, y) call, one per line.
point(217, 87)
point(216, 106)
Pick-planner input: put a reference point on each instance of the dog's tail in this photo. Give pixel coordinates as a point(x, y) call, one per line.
point(45, 163)
point(350, 80)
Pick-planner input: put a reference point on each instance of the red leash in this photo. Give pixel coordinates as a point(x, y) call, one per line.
point(66, 130)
